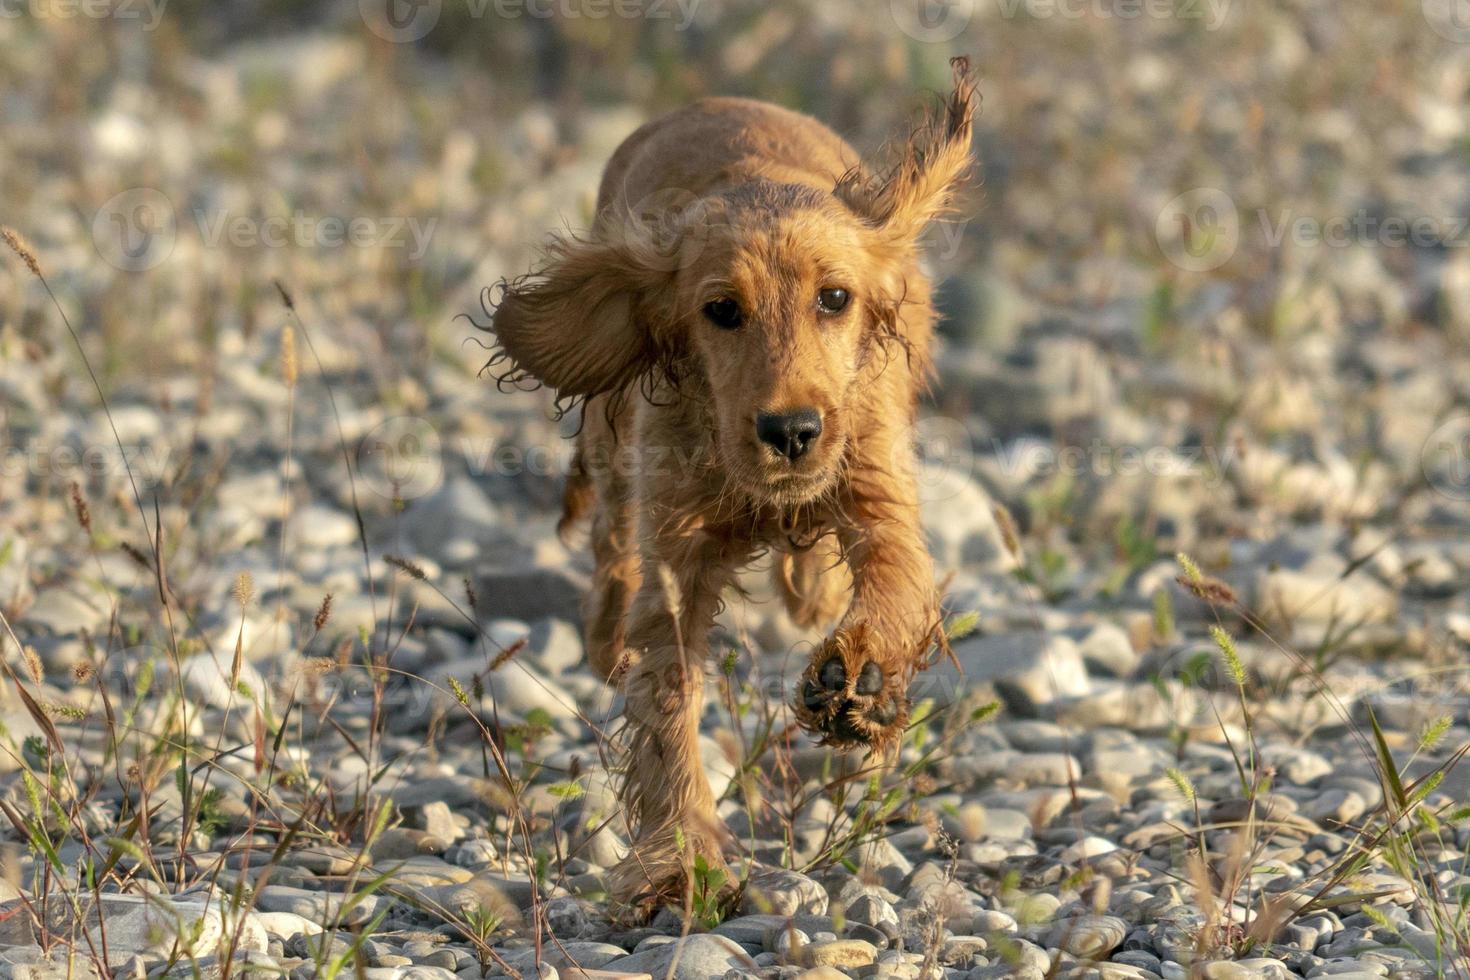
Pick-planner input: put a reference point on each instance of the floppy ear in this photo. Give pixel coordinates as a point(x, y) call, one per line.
point(584, 324)
point(919, 186)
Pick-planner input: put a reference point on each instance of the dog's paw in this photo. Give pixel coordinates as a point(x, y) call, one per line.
point(670, 870)
point(846, 696)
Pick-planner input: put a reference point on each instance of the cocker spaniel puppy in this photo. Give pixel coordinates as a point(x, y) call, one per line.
point(747, 328)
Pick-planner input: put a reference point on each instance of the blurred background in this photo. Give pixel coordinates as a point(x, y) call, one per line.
point(1211, 286)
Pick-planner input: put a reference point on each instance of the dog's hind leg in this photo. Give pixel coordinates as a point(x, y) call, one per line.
point(615, 578)
point(578, 499)
point(614, 584)
point(815, 584)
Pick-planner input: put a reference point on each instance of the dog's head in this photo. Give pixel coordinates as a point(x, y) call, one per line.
point(770, 297)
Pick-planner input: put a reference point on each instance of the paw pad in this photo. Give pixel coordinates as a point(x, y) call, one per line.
point(847, 699)
point(833, 675)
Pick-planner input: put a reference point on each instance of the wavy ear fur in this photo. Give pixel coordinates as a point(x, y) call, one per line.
point(587, 323)
point(932, 163)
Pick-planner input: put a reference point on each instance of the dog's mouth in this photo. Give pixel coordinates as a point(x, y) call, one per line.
point(780, 482)
point(783, 490)
point(813, 482)
point(764, 478)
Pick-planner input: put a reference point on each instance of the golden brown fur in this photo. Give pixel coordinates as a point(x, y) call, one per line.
point(736, 205)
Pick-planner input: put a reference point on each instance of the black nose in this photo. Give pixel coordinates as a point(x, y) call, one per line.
point(790, 433)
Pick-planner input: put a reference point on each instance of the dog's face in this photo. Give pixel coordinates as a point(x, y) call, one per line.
point(777, 311)
point(776, 296)
point(764, 304)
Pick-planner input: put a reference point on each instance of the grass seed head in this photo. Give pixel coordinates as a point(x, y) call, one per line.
point(33, 664)
point(1009, 534)
point(80, 508)
point(323, 613)
point(1210, 590)
point(22, 248)
point(244, 590)
point(1181, 784)
point(1433, 732)
point(508, 653)
point(407, 567)
point(1232, 657)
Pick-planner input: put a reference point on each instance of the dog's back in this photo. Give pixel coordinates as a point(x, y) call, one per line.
point(722, 142)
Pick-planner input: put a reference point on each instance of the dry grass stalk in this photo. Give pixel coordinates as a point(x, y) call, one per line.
point(290, 367)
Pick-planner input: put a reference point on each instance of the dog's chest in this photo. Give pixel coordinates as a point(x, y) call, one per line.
point(792, 529)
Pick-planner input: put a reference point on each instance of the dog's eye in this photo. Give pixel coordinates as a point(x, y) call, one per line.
point(831, 300)
point(723, 313)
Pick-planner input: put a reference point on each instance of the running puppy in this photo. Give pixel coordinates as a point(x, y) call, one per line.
point(747, 327)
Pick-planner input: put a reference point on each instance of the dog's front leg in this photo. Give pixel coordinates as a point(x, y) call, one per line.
point(854, 691)
point(671, 809)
